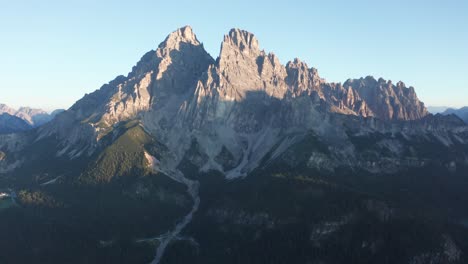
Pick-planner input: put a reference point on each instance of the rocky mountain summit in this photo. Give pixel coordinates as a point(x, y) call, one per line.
point(242, 104)
point(244, 108)
point(34, 117)
point(186, 150)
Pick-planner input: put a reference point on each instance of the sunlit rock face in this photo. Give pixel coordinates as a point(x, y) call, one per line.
point(32, 116)
point(238, 108)
point(387, 100)
point(173, 69)
point(318, 162)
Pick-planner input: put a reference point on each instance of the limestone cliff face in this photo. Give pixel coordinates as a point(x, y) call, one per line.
point(387, 100)
point(182, 78)
point(244, 68)
point(237, 88)
point(160, 78)
point(302, 79)
point(172, 69)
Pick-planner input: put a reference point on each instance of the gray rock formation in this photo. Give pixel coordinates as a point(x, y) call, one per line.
point(169, 73)
point(34, 117)
point(388, 101)
point(6, 109)
point(238, 108)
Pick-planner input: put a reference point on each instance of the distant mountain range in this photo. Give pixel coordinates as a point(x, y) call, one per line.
point(31, 118)
point(236, 159)
point(461, 112)
point(437, 109)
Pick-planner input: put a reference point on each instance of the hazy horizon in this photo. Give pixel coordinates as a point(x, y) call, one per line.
point(57, 52)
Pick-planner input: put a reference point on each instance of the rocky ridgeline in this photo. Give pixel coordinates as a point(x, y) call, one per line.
point(180, 66)
point(32, 116)
point(461, 113)
point(239, 106)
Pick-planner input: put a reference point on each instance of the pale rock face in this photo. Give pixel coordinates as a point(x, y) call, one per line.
point(6, 109)
point(388, 101)
point(239, 107)
point(160, 81)
point(242, 68)
point(172, 69)
point(34, 117)
point(301, 79)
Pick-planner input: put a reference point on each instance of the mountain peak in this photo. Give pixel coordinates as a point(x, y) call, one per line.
point(242, 40)
point(182, 35)
point(297, 63)
point(6, 109)
point(186, 33)
point(29, 110)
point(32, 116)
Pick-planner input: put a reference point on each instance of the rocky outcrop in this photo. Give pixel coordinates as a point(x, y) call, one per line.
point(243, 68)
point(301, 79)
point(172, 69)
point(388, 101)
point(6, 109)
point(162, 79)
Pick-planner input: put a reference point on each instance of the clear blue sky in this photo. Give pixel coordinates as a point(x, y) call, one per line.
point(53, 52)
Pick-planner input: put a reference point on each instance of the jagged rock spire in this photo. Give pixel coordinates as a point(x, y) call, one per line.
point(243, 40)
point(182, 35)
point(170, 70)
